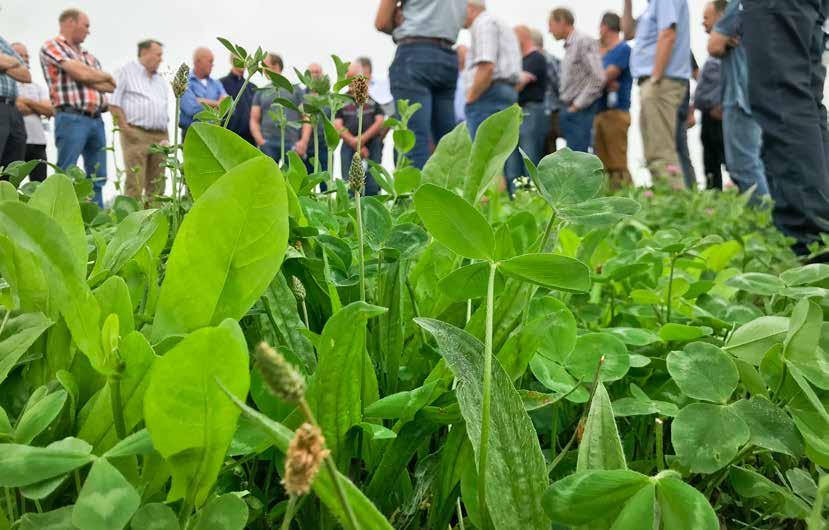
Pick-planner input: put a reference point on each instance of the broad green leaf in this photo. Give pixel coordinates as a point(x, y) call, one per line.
point(145, 228)
point(757, 283)
point(406, 180)
point(558, 337)
point(567, 178)
point(583, 361)
point(226, 512)
point(549, 270)
point(639, 511)
point(447, 165)
point(600, 446)
point(154, 516)
point(56, 197)
point(469, 282)
point(671, 332)
point(516, 472)
point(21, 465)
point(228, 249)
point(18, 336)
point(98, 427)
point(682, 506)
point(107, 500)
point(554, 377)
point(335, 394)
point(494, 142)
point(189, 417)
point(391, 326)
point(584, 497)
point(60, 519)
point(707, 437)
point(38, 417)
point(138, 443)
point(801, 347)
point(282, 315)
point(211, 151)
point(376, 432)
point(8, 192)
point(751, 341)
point(377, 222)
point(114, 298)
point(407, 238)
point(367, 514)
point(771, 428)
point(703, 371)
point(634, 336)
point(403, 405)
point(30, 237)
point(601, 211)
point(806, 275)
point(454, 222)
point(749, 484)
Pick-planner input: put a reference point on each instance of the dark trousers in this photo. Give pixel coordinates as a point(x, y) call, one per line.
point(713, 150)
point(12, 135)
point(577, 127)
point(534, 131)
point(551, 142)
point(682, 151)
point(36, 152)
point(784, 42)
point(375, 154)
point(426, 73)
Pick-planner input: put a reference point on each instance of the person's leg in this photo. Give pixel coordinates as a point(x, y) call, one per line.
point(36, 152)
point(346, 155)
point(272, 150)
point(70, 137)
point(682, 152)
point(551, 141)
point(616, 125)
point(743, 148)
point(14, 147)
point(155, 181)
point(718, 145)
point(444, 72)
point(780, 40)
point(658, 117)
point(135, 162)
point(602, 136)
point(375, 154)
point(95, 156)
point(709, 158)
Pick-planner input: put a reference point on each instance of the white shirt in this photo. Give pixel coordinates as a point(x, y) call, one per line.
point(35, 126)
point(142, 98)
point(494, 42)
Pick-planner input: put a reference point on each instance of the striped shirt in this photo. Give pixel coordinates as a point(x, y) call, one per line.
point(582, 73)
point(494, 42)
point(63, 89)
point(143, 98)
point(8, 86)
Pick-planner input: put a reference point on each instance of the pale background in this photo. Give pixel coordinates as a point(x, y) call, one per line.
point(301, 31)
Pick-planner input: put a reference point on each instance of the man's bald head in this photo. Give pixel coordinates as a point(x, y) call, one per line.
point(315, 70)
point(525, 38)
point(202, 62)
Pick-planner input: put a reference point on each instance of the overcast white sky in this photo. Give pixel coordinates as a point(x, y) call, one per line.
point(301, 31)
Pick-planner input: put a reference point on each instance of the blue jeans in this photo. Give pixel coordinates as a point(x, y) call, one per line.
point(498, 97)
point(577, 127)
point(375, 154)
point(743, 149)
point(534, 130)
point(77, 135)
point(274, 150)
point(427, 74)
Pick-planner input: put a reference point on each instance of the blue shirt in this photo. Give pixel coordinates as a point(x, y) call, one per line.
point(8, 86)
point(659, 16)
point(439, 19)
point(735, 62)
point(240, 121)
point(619, 57)
point(198, 88)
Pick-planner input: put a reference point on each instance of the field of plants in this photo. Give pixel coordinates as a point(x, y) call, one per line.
point(253, 353)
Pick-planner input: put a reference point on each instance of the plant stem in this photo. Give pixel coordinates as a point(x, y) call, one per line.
point(305, 315)
point(38, 507)
point(332, 470)
point(660, 458)
point(184, 514)
point(10, 505)
point(238, 97)
point(175, 175)
point(487, 396)
point(316, 146)
point(117, 407)
point(289, 513)
point(360, 243)
point(5, 320)
point(547, 231)
point(460, 514)
point(282, 143)
point(670, 291)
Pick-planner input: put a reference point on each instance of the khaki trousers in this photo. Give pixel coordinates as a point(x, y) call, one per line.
point(145, 176)
point(658, 123)
point(610, 143)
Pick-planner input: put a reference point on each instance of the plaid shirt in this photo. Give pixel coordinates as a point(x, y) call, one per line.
point(8, 86)
point(582, 73)
point(63, 89)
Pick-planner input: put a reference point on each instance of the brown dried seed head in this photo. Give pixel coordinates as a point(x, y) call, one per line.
point(357, 175)
point(303, 459)
point(282, 379)
point(180, 80)
point(359, 89)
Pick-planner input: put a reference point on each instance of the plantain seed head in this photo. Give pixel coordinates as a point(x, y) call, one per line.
point(303, 459)
point(282, 379)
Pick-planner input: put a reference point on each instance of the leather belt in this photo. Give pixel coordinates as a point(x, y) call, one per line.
point(73, 110)
point(443, 43)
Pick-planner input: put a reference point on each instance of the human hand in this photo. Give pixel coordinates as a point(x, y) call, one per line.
point(301, 148)
point(692, 120)
point(526, 78)
point(716, 113)
point(364, 152)
point(572, 109)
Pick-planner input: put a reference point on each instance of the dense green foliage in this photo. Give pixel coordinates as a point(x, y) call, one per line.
point(563, 360)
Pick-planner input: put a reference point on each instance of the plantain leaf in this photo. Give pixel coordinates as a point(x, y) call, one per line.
point(107, 500)
point(600, 446)
point(211, 151)
point(447, 165)
point(56, 197)
point(495, 141)
point(454, 222)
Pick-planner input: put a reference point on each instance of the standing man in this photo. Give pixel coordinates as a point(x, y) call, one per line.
point(660, 64)
point(552, 99)
point(78, 88)
point(613, 118)
point(460, 89)
point(266, 132)
point(12, 130)
point(232, 83)
point(582, 80)
point(493, 65)
point(140, 104)
point(425, 67)
point(784, 42)
point(708, 100)
point(532, 89)
point(378, 89)
point(33, 103)
point(346, 122)
point(201, 90)
point(743, 135)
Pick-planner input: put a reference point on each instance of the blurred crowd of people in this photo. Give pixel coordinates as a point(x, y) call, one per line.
point(758, 98)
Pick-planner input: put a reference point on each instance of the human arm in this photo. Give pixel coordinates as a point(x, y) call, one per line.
point(628, 22)
point(589, 51)
point(664, 51)
point(384, 20)
point(717, 44)
point(480, 82)
point(13, 67)
point(118, 113)
point(255, 128)
point(84, 74)
point(374, 129)
point(103, 86)
point(301, 145)
point(726, 31)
